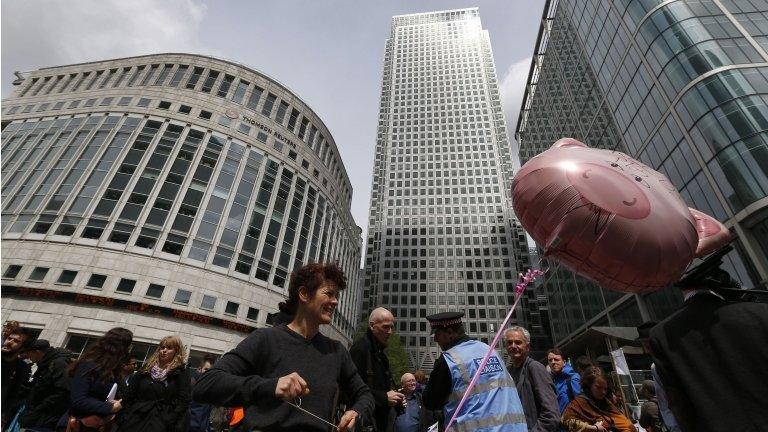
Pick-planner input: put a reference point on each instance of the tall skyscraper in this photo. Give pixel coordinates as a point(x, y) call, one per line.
point(442, 235)
point(679, 85)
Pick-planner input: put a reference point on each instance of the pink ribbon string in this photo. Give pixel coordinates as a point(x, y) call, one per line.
point(525, 280)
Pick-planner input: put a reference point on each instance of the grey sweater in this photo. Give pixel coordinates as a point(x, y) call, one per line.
point(247, 376)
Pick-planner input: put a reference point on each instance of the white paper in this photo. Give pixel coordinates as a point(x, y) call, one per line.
point(432, 428)
point(112, 393)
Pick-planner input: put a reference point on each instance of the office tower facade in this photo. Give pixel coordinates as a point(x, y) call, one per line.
point(167, 193)
point(681, 86)
point(441, 235)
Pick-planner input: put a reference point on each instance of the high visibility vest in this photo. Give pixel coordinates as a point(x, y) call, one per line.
point(493, 405)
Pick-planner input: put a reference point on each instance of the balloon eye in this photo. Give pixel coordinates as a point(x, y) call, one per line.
point(638, 179)
point(614, 164)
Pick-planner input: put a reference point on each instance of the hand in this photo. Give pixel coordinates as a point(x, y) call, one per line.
point(347, 422)
point(395, 398)
point(599, 427)
point(117, 405)
point(291, 386)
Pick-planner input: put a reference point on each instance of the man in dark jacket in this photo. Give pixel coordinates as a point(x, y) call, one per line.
point(200, 413)
point(700, 353)
point(15, 373)
point(373, 366)
point(48, 398)
point(533, 382)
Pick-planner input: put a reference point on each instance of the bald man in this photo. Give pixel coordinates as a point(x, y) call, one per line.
point(373, 366)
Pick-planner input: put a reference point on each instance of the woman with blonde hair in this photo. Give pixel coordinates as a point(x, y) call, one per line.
point(157, 398)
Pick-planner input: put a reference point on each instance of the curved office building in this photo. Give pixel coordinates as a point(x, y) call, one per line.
point(169, 194)
point(681, 85)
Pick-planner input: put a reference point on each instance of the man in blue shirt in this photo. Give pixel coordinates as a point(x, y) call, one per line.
point(414, 417)
point(567, 381)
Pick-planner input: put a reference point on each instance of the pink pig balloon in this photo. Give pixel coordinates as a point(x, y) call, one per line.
point(611, 218)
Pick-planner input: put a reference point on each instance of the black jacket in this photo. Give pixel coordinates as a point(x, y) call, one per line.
point(48, 398)
point(161, 406)
point(537, 395)
point(15, 378)
point(711, 357)
point(373, 366)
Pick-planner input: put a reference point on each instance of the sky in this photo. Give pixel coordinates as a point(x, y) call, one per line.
point(329, 52)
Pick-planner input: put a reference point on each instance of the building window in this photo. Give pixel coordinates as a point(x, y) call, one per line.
point(124, 101)
point(208, 302)
point(126, 286)
point(182, 296)
point(155, 291)
point(253, 314)
point(224, 120)
point(12, 271)
point(67, 277)
point(231, 308)
point(174, 244)
point(143, 102)
point(244, 128)
point(90, 102)
point(185, 109)
point(163, 105)
point(96, 281)
point(205, 115)
point(38, 274)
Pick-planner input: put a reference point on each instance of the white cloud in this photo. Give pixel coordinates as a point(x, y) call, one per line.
point(38, 33)
point(512, 90)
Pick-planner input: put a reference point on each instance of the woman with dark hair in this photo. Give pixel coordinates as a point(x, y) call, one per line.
point(157, 398)
point(287, 376)
point(592, 411)
point(93, 376)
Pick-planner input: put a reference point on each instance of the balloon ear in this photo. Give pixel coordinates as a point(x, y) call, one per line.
point(568, 142)
point(712, 234)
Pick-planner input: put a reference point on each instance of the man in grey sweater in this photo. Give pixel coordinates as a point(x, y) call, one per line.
point(287, 376)
point(533, 382)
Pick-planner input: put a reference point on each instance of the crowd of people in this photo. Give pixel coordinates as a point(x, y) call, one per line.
point(291, 377)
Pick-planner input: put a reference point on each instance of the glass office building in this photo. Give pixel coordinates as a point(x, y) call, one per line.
point(442, 235)
point(167, 193)
point(680, 85)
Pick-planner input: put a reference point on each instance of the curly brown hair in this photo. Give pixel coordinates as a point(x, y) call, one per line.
point(311, 277)
point(590, 375)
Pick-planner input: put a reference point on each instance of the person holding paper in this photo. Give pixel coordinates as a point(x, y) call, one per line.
point(157, 398)
point(93, 376)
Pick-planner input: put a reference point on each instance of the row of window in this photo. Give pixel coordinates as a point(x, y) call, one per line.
point(181, 76)
point(128, 286)
point(223, 120)
point(228, 155)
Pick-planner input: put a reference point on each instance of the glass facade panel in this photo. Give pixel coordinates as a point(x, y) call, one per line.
point(684, 98)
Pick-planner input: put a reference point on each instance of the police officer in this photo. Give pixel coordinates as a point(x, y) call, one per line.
point(493, 404)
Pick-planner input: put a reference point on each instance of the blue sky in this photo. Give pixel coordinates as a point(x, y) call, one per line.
point(329, 52)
